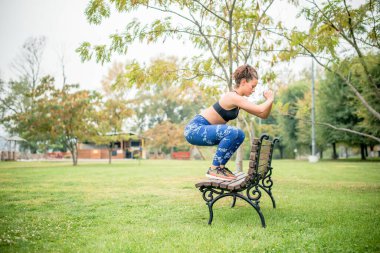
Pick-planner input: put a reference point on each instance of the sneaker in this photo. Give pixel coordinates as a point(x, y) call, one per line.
point(219, 173)
point(228, 172)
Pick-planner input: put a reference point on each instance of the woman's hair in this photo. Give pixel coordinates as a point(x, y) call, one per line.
point(246, 72)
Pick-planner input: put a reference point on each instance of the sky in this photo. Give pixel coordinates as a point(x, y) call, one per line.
point(65, 26)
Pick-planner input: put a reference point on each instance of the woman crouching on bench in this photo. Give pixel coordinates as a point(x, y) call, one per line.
point(209, 128)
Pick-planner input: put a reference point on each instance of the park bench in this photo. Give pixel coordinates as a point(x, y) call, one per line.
point(257, 179)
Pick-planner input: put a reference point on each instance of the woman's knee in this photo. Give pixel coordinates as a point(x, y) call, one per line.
point(232, 132)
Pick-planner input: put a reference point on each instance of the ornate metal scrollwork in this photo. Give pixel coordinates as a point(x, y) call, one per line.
point(207, 193)
point(267, 180)
point(253, 193)
point(264, 137)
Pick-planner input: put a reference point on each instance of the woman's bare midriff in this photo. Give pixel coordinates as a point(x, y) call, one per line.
point(212, 116)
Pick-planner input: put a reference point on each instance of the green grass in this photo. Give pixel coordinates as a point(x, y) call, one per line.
point(154, 207)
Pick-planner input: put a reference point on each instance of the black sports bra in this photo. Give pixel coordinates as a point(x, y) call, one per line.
point(226, 114)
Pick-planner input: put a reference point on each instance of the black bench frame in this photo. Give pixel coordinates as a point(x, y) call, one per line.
point(251, 183)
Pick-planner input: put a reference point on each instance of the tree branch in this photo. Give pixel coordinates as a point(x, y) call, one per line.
point(349, 131)
point(255, 30)
point(352, 87)
point(358, 51)
point(170, 11)
point(191, 32)
point(5, 104)
point(337, 128)
point(213, 13)
point(368, 43)
point(230, 27)
point(197, 73)
point(356, 92)
point(374, 24)
point(210, 47)
point(352, 42)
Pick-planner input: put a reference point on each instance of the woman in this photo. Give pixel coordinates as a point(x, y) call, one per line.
point(209, 128)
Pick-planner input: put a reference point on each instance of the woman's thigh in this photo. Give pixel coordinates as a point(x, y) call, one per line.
point(208, 135)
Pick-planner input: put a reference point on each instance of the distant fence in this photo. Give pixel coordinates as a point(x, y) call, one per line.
point(13, 156)
point(181, 155)
point(8, 156)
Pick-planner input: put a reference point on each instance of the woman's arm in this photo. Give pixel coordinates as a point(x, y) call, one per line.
point(262, 110)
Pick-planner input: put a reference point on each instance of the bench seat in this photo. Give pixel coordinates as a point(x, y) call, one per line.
point(235, 184)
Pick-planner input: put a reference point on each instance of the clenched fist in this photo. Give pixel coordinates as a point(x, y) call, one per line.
point(269, 95)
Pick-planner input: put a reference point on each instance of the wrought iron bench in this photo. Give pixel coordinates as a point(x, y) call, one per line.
point(258, 178)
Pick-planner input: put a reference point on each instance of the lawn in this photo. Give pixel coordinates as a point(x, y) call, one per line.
point(154, 207)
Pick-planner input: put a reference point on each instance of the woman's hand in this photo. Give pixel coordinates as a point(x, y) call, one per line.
point(269, 95)
point(262, 110)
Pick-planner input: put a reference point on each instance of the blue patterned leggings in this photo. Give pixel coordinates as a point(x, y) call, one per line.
point(228, 138)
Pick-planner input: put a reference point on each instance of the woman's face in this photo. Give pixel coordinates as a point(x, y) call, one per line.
point(250, 86)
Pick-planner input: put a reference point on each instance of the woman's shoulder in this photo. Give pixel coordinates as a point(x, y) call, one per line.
point(229, 94)
point(230, 99)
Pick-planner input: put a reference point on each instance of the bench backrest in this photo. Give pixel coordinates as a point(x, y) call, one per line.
point(259, 166)
point(260, 157)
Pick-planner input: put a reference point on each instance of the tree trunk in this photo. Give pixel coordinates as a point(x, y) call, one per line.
point(362, 152)
point(372, 153)
point(199, 152)
point(321, 154)
point(110, 152)
point(171, 152)
point(239, 159)
point(346, 152)
point(239, 152)
point(281, 152)
point(334, 155)
point(73, 148)
point(74, 155)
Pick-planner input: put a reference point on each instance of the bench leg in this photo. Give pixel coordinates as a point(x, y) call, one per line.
point(266, 185)
point(256, 207)
point(269, 192)
point(211, 213)
point(233, 201)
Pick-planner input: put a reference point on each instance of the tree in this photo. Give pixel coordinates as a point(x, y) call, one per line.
point(369, 123)
point(303, 126)
point(17, 96)
point(161, 101)
point(159, 94)
point(166, 135)
point(28, 63)
point(14, 97)
point(63, 114)
point(339, 31)
point(340, 108)
point(227, 34)
point(288, 98)
point(115, 76)
point(109, 121)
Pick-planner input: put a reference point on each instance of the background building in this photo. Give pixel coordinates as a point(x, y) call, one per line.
point(128, 146)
